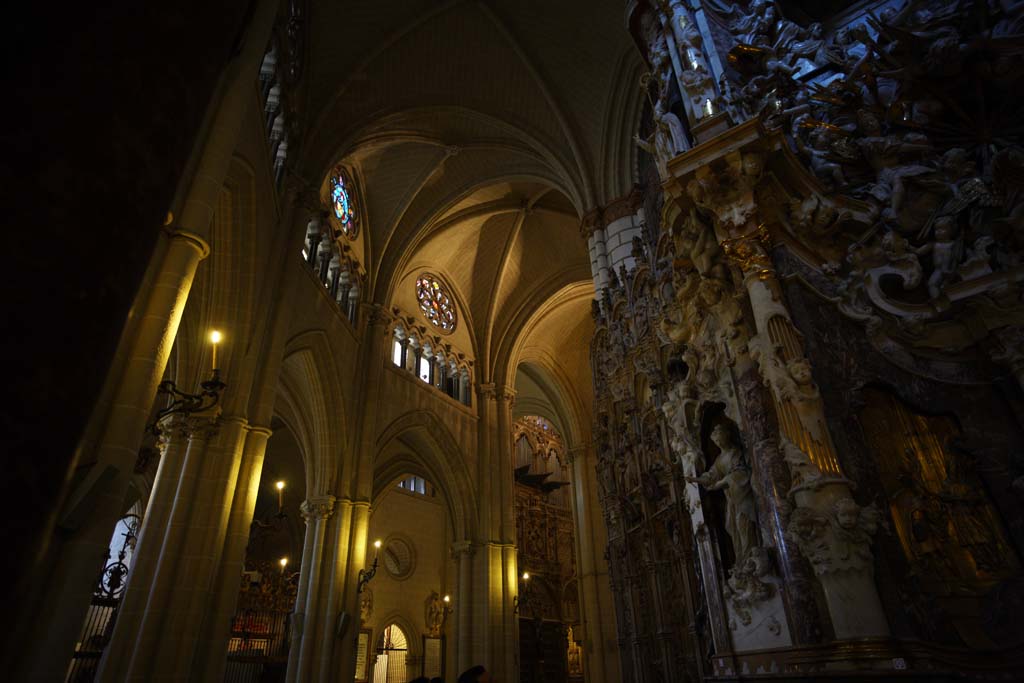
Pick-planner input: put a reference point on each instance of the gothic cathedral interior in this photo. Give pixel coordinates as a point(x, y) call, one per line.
point(565, 341)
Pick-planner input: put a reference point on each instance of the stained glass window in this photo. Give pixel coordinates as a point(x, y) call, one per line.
point(435, 302)
point(343, 203)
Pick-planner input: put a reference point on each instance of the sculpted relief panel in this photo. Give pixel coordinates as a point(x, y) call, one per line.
point(860, 165)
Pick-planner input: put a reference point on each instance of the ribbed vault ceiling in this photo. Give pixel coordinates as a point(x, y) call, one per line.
point(481, 132)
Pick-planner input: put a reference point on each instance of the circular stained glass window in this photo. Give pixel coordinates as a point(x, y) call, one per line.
point(343, 204)
point(435, 302)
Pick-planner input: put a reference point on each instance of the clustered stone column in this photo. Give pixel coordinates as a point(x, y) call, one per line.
point(315, 511)
point(77, 563)
point(463, 554)
point(591, 538)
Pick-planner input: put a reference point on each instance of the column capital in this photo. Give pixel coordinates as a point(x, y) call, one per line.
point(485, 391)
point(591, 221)
point(626, 205)
point(506, 394)
point(575, 452)
point(202, 427)
point(460, 548)
point(317, 507)
point(378, 316)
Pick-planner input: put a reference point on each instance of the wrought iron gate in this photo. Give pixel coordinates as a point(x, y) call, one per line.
point(106, 598)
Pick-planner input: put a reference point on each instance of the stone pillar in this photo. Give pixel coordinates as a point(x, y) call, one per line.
point(623, 220)
point(463, 554)
point(495, 581)
point(592, 229)
point(771, 482)
point(98, 503)
point(830, 529)
point(298, 617)
point(316, 511)
point(138, 630)
point(216, 630)
point(510, 641)
point(336, 661)
point(599, 633)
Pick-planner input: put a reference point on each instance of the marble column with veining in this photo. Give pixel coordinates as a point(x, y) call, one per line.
point(827, 519)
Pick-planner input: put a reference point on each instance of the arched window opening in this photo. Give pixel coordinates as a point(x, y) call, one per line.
point(392, 648)
point(414, 484)
point(399, 344)
point(435, 302)
point(425, 365)
point(430, 359)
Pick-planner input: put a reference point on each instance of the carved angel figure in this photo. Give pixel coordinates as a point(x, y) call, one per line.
point(946, 251)
point(835, 542)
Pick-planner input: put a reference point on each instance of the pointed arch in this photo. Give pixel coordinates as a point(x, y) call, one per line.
point(419, 443)
point(312, 404)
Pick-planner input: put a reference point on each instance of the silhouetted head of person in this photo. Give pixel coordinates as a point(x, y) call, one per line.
point(436, 679)
point(420, 679)
point(477, 674)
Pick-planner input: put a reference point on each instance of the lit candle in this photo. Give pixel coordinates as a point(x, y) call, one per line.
point(447, 599)
point(526, 576)
point(280, 497)
point(284, 563)
point(376, 544)
point(215, 337)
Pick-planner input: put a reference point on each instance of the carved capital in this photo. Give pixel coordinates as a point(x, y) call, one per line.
point(485, 392)
point(171, 428)
point(461, 548)
point(378, 316)
point(592, 221)
point(203, 427)
point(626, 205)
point(317, 507)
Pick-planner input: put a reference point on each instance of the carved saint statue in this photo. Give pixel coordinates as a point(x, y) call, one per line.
point(668, 139)
point(365, 605)
point(434, 614)
point(730, 474)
